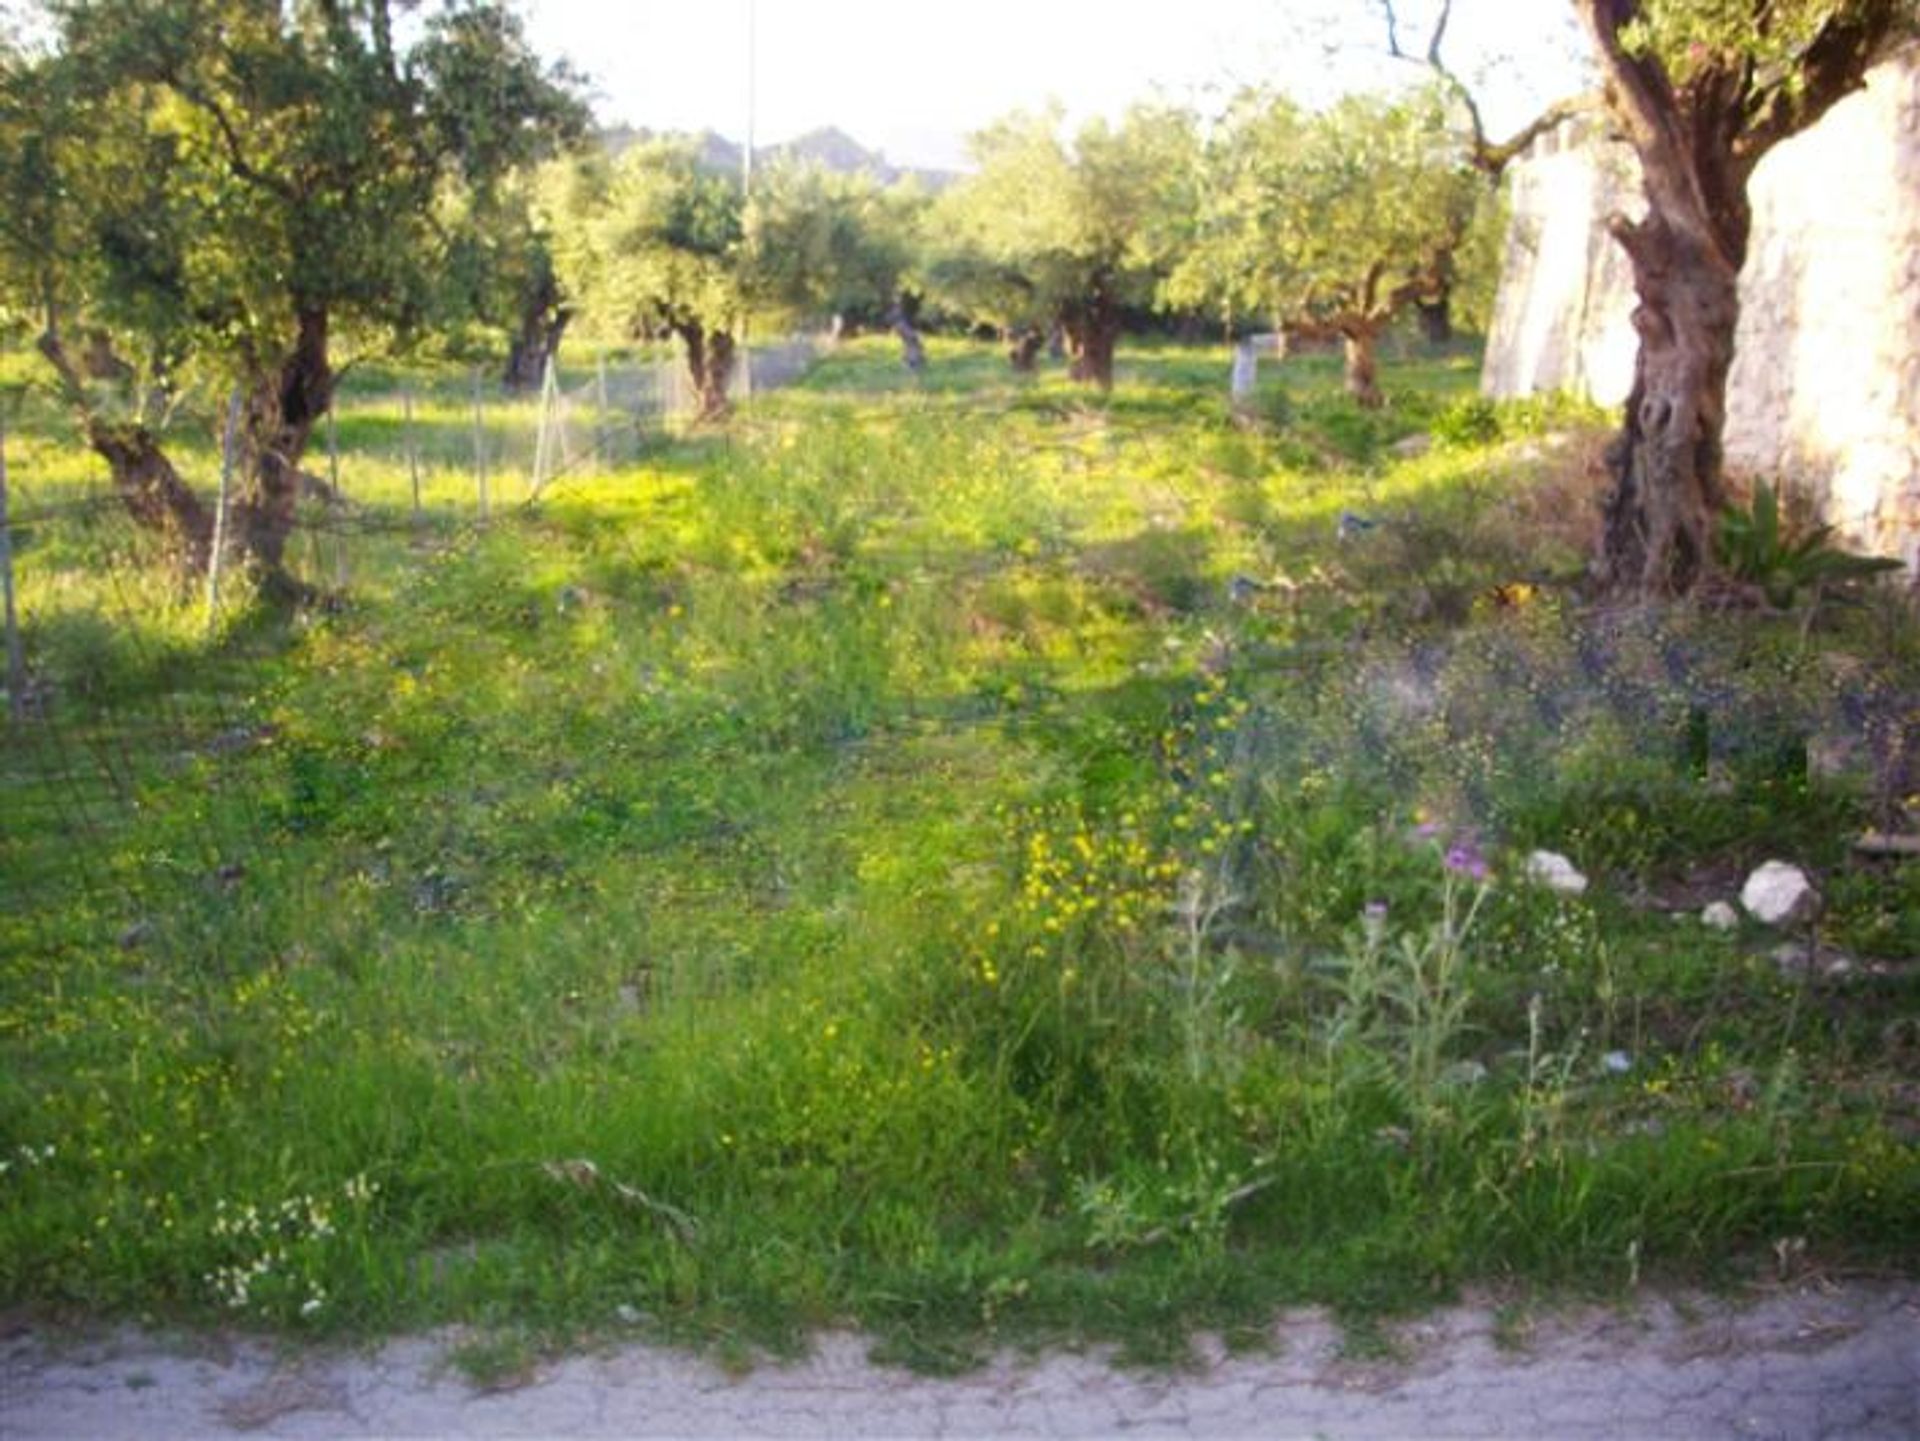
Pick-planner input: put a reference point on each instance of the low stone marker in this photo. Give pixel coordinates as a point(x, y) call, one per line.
point(1779, 894)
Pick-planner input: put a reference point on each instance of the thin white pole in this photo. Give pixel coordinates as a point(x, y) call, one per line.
point(333, 448)
point(413, 451)
point(333, 479)
point(217, 556)
point(16, 655)
point(541, 442)
point(479, 445)
point(753, 85)
point(602, 427)
point(746, 178)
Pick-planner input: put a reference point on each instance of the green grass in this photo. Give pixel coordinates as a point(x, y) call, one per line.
point(903, 862)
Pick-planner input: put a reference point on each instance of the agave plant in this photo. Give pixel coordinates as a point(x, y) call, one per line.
point(1759, 546)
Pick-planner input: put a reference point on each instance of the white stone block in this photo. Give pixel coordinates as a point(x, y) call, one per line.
point(1720, 917)
point(1556, 873)
point(1779, 894)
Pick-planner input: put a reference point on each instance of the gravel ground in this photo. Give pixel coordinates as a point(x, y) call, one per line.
point(1825, 1361)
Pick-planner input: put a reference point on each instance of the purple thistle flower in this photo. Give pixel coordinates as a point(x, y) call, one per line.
point(1463, 859)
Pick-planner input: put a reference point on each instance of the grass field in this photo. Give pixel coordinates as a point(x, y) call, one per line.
point(966, 859)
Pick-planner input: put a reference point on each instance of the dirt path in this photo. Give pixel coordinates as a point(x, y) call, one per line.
point(1816, 1362)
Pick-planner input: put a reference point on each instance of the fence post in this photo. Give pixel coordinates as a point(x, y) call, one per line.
point(333, 450)
point(16, 656)
point(217, 555)
point(602, 431)
point(413, 450)
point(333, 479)
point(541, 441)
point(479, 445)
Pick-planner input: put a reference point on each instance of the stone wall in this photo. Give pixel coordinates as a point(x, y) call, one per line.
point(1825, 391)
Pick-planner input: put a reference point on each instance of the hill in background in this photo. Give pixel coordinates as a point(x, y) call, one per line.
point(829, 147)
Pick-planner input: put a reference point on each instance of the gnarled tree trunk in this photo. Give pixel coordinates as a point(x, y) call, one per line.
point(1665, 463)
point(913, 350)
point(1361, 344)
point(1699, 137)
point(543, 322)
point(710, 363)
point(1093, 332)
point(153, 492)
point(1023, 354)
point(143, 478)
point(278, 413)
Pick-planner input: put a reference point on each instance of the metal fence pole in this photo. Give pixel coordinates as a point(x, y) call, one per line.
point(217, 555)
point(333, 479)
point(333, 449)
point(541, 442)
point(16, 654)
point(413, 451)
point(602, 431)
point(479, 445)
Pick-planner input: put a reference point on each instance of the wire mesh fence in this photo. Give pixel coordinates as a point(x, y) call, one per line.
point(111, 689)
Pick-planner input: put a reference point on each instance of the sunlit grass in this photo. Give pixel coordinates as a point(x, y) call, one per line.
point(903, 860)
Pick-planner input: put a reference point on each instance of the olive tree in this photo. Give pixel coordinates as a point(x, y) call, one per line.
point(656, 242)
point(1703, 90)
point(1046, 232)
point(216, 190)
point(826, 243)
point(1329, 223)
point(1416, 33)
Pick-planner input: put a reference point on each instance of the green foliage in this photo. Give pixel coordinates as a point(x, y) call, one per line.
point(651, 240)
point(1768, 42)
point(202, 173)
point(1327, 219)
point(655, 241)
point(1471, 420)
point(1758, 547)
point(829, 244)
point(1044, 226)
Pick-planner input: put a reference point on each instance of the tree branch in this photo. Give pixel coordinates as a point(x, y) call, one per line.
point(230, 136)
point(1492, 160)
point(1832, 67)
point(1641, 96)
point(1488, 156)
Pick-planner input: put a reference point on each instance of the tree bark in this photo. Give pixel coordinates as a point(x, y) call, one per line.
point(1665, 462)
point(710, 363)
point(278, 414)
point(543, 322)
point(913, 350)
point(1093, 332)
point(143, 478)
point(1698, 142)
point(1024, 353)
point(1436, 318)
point(153, 492)
point(1363, 366)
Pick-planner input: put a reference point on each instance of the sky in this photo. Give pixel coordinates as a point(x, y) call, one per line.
point(912, 78)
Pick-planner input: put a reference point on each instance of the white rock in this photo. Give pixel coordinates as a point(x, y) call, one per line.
point(1556, 873)
point(1779, 895)
point(1463, 1074)
point(1720, 916)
